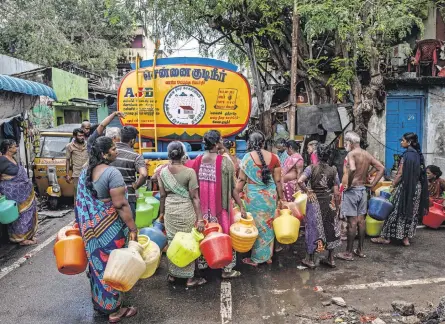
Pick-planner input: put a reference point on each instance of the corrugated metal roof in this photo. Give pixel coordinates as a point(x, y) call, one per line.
point(31, 88)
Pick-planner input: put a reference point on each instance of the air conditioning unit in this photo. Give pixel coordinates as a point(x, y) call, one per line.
point(400, 54)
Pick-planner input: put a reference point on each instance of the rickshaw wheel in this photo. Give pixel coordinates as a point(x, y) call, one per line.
point(52, 202)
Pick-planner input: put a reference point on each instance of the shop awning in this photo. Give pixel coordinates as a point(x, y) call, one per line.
point(8, 83)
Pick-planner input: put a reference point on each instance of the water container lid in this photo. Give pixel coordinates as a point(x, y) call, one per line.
point(196, 235)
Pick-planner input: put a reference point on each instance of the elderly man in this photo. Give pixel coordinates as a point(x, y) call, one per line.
point(128, 162)
point(114, 133)
point(354, 205)
point(100, 128)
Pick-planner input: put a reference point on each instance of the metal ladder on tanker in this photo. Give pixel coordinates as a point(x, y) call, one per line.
point(140, 74)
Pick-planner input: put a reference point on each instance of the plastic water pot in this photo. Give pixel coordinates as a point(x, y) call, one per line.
point(153, 202)
point(301, 201)
point(70, 253)
point(373, 226)
point(150, 254)
point(144, 213)
point(9, 211)
point(184, 248)
point(155, 234)
point(286, 227)
point(243, 234)
point(125, 266)
point(216, 248)
point(435, 216)
point(379, 208)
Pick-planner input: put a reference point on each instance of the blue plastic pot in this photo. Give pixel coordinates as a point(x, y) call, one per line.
point(155, 234)
point(380, 207)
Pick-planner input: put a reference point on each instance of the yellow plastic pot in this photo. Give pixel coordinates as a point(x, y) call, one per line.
point(373, 226)
point(243, 234)
point(286, 227)
point(301, 202)
point(184, 248)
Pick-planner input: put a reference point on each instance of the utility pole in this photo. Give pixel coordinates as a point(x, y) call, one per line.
point(294, 75)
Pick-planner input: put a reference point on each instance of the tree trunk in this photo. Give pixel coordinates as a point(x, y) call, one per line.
point(294, 75)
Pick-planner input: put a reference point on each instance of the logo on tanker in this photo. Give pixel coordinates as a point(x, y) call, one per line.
point(184, 105)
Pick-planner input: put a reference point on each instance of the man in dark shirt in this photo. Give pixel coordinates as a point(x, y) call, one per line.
point(128, 162)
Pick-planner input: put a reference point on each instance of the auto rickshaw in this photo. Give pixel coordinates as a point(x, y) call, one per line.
point(49, 165)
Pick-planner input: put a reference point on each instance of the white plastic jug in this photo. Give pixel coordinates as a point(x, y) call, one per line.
point(125, 266)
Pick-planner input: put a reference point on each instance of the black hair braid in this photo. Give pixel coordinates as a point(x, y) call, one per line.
point(265, 172)
point(256, 141)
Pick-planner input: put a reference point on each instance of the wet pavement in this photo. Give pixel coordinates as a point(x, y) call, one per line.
point(279, 293)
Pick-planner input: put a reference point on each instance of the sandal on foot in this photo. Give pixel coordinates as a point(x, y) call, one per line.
point(171, 279)
point(380, 240)
point(308, 264)
point(249, 261)
point(359, 254)
point(128, 312)
point(196, 282)
point(328, 263)
point(269, 261)
point(406, 242)
point(231, 274)
point(345, 256)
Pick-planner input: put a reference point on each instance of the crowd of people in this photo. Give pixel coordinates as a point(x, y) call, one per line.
point(103, 165)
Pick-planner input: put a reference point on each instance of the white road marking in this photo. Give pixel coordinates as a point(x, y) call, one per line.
point(29, 255)
point(383, 284)
point(226, 302)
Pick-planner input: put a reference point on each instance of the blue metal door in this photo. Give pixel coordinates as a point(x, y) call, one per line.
point(403, 115)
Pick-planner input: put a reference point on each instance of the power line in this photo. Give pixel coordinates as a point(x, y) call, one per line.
point(387, 147)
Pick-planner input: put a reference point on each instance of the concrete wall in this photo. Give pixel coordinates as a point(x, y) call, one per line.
point(434, 127)
point(10, 65)
point(67, 85)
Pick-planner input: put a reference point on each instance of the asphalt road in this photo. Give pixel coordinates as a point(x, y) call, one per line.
point(279, 293)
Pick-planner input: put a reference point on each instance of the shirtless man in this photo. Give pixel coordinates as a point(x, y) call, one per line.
point(355, 197)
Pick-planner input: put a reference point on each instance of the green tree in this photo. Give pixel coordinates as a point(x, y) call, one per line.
point(49, 32)
point(339, 40)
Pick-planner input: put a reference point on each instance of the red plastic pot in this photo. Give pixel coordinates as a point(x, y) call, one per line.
point(216, 248)
point(435, 217)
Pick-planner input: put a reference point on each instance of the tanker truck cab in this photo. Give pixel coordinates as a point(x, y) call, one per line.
point(180, 99)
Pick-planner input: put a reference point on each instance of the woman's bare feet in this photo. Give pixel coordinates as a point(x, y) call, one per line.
point(28, 242)
point(406, 242)
point(249, 261)
point(380, 240)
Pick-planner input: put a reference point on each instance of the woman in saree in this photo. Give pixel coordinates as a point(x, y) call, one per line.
point(106, 223)
point(180, 207)
point(291, 170)
point(410, 195)
point(15, 185)
point(322, 222)
point(225, 151)
point(260, 178)
point(436, 185)
point(216, 176)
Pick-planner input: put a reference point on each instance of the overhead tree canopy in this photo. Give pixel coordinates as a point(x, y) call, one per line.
point(341, 40)
point(48, 32)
